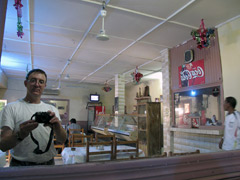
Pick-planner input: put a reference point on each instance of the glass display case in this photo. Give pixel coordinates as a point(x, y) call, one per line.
point(118, 124)
point(200, 107)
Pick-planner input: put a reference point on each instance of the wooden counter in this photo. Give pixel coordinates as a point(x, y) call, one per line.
point(118, 135)
point(218, 165)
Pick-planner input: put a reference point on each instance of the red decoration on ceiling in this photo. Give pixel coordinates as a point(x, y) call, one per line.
point(18, 5)
point(106, 88)
point(136, 76)
point(203, 35)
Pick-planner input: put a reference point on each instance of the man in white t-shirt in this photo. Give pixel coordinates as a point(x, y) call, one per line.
point(31, 141)
point(229, 140)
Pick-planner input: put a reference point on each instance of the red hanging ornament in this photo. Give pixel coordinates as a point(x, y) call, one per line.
point(136, 76)
point(203, 35)
point(106, 88)
point(18, 5)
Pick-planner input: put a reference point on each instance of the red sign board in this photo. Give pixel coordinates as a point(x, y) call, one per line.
point(191, 74)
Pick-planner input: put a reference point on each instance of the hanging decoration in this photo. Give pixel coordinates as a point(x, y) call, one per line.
point(18, 5)
point(106, 87)
point(136, 76)
point(203, 35)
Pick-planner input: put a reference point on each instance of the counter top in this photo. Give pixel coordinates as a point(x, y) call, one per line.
point(204, 130)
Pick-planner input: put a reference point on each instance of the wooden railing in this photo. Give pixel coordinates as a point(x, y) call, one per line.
point(219, 165)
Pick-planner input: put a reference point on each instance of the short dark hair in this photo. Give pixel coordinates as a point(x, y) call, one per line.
point(232, 101)
point(73, 120)
point(36, 70)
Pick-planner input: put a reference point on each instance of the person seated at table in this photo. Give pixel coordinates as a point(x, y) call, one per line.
point(72, 125)
point(213, 121)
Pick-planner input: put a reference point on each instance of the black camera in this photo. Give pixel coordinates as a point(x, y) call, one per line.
point(42, 117)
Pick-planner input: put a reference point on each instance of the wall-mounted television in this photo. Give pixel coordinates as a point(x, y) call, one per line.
point(94, 97)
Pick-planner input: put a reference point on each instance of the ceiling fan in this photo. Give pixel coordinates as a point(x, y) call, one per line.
point(102, 36)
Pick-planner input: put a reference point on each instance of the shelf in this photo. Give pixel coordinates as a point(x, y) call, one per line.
point(148, 112)
point(144, 97)
point(142, 115)
point(142, 130)
point(142, 104)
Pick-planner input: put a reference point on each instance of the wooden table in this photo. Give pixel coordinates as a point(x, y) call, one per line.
point(79, 154)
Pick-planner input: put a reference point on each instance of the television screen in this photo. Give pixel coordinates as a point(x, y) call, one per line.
point(94, 97)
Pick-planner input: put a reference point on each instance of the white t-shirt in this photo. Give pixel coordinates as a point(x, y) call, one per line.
point(20, 111)
point(230, 132)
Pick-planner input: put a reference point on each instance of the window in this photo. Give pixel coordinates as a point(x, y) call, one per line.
point(203, 105)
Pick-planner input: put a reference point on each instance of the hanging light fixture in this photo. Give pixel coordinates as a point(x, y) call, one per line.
point(67, 76)
point(102, 35)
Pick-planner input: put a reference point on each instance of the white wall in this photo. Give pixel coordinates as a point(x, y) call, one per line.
point(155, 90)
point(77, 94)
point(229, 41)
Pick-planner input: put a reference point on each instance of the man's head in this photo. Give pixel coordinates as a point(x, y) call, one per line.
point(73, 120)
point(230, 103)
point(40, 71)
point(35, 82)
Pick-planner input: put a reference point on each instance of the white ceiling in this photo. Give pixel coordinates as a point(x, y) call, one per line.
point(60, 35)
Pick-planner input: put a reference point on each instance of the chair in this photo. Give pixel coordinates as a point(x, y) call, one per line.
point(133, 149)
point(184, 153)
point(74, 131)
point(80, 140)
point(103, 143)
point(105, 137)
point(58, 145)
point(8, 156)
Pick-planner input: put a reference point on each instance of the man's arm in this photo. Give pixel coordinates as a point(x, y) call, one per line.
point(10, 139)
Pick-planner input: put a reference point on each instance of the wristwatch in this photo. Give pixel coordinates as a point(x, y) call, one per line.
point(18, 136)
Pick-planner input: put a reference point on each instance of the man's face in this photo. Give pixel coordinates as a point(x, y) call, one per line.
point(226, 105)
point(35, 84)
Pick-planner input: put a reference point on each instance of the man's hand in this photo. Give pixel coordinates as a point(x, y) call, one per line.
point(60, 133)
point(26, 127)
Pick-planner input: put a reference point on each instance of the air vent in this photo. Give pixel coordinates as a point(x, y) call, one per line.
point(55, 92)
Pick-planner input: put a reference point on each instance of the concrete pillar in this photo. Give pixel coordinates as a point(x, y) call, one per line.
point(119, 94)
point(3, 9)
point(167, 116)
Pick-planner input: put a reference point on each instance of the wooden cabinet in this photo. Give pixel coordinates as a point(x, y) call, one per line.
point(149, 126)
